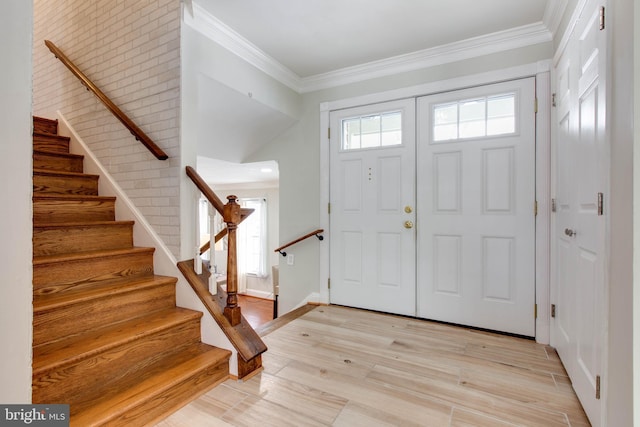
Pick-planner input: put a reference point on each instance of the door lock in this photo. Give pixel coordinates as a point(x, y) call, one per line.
point(408, 224)
point(408, 209)
point(569, 232)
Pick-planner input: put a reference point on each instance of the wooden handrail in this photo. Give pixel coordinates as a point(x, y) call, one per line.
point(300, 239)
point(205, 190)
point(126, 121)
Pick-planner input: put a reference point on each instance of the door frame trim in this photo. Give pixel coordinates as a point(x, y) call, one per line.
point(541, 71)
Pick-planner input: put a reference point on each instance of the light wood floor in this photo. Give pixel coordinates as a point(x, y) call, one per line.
point(347, 367)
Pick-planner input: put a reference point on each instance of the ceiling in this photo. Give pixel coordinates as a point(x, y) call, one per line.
point(313, 37)
point(228, 175)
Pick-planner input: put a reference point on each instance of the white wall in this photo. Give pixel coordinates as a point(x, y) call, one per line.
point(16, 292)
point(131, 51)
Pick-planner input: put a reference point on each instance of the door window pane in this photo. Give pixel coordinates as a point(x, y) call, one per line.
point(445, 122)
point(474, 118)
point(373, 131)
point(501, 115)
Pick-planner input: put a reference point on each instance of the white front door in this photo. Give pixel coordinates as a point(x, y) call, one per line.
point(476, 207)
point(579, 226)
point(372, 193)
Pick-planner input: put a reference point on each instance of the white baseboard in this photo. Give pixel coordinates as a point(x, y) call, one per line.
point(258, 294)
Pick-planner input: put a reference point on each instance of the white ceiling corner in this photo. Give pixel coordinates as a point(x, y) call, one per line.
point(219, 32)
point(553, 14)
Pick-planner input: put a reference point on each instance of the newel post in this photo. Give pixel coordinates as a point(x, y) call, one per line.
point(231, 215)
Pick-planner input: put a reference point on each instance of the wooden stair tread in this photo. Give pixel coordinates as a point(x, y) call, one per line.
point(58, 154)
point(67, 351)
point(44, 125)
point(46, 302)
point(71, 197)
point(49, 259)
point(82, 224)
point(50, 135)
point(142, 388)
point(51, 172)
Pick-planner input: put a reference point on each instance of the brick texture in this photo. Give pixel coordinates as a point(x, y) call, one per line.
point(131, 51)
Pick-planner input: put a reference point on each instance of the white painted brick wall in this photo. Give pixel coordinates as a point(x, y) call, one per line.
point(131, 51)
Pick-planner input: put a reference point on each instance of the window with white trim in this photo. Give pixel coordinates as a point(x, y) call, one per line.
point(253, 232)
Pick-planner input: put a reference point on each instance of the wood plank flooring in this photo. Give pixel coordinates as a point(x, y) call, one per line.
point(347, 367)
point(257, 311)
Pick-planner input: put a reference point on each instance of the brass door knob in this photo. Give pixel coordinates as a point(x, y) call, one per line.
point(408, 224)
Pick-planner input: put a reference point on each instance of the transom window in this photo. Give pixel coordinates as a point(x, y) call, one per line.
point(475, 118)
point(372, 131)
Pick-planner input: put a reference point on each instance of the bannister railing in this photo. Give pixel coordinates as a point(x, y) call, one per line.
point(232, 215)
point(316, 233)
point(126, 121)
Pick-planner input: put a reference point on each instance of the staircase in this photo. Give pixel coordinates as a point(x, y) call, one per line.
point(108, 338)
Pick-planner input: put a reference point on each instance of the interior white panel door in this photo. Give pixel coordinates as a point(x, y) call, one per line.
point(476, 201)
point(579, 225)
point(372, 196)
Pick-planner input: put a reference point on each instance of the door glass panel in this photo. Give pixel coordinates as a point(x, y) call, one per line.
point(372, 131)
point(370, 135)
point(501, 115)
point(474, 118)
point(351, 134)
point(445, 120)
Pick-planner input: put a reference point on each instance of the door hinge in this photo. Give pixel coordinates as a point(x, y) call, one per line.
point(553, 205)
point(328, 208)
point(598, 387)
point(535, 106)
point(535, 208)
point(600, 204)
point(601, 18)
point(328, 133)
point(553, 310)
point(535, 311)
point(553, 100)
point(329, 283)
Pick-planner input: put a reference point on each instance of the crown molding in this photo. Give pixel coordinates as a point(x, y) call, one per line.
point(466, 49)
point(216, 30)
point(207, 24)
